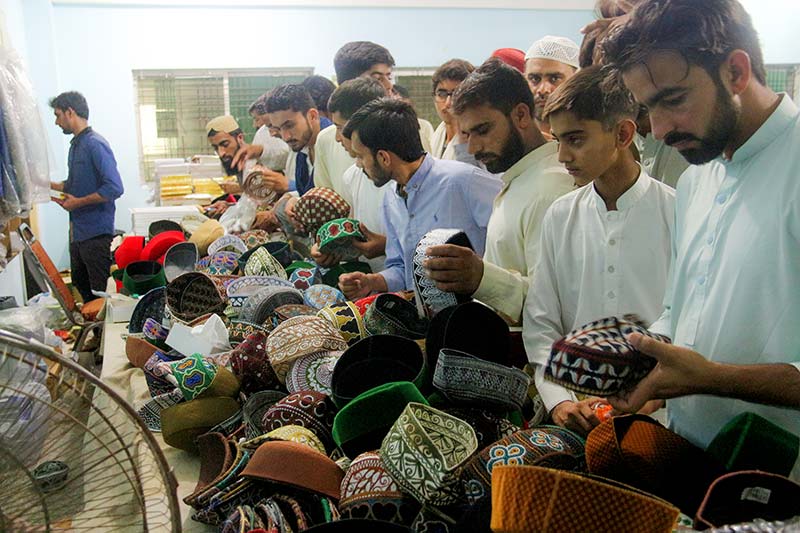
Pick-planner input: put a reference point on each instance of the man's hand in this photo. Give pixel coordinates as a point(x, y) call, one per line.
point(274, 180)
point(577, 416)
point(249, 151)
point(69, 202)
point(374, 246)
point(679, 372)
point(357, 285)
point(57, 185)
point(324, 260)
point(217, 208)
point(289, 209)
point(266, 220)
point(454, 268)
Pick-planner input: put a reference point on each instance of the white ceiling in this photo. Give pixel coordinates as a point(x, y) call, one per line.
point(461, 4)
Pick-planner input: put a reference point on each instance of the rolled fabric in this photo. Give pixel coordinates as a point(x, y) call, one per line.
point(296, 465)
point(363, 423)
point(369, 492)
point(181, 424)
point(300, 336)
point(423, 452)
point(533, 498)
point(376, 360)
point(468, 380)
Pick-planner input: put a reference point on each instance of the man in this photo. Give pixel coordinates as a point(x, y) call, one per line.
point(365, 198)
point(320, 88)
point(428, 193)
point(733, 300)
point(550, 61)
point(445, 142)
point(605, 248)
point(367, 59)
point(93, 184)
point(292, 111)
point(227, 139)
point(268, 149)
point(494, 109)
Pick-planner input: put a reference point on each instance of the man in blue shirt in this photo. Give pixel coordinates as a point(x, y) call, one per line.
point(429, 193)
point(93, 183)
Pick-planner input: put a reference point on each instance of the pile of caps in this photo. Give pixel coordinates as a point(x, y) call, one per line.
point(310, 412)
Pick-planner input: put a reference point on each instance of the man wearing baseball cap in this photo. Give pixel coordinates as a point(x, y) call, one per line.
point(548, 64)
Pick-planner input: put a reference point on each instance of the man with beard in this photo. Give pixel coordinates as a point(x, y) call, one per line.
point(548, 64)
point(93, 184)
point(733, 301)
point(427, 193)
point(291, 109)
point(494, 109)
point(227, 139)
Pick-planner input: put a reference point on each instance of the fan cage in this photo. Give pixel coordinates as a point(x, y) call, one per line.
point(107, 471)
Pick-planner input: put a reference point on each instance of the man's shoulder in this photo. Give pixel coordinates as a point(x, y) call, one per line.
point(569, 202)
point(448, 169)
point(327, 135)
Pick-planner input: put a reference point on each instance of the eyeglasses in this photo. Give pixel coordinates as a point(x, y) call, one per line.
point(442, 95)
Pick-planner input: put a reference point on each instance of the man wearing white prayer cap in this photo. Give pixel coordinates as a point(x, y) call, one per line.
point(548, 64)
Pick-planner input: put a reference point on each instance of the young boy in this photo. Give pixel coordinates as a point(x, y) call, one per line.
point(605, 248)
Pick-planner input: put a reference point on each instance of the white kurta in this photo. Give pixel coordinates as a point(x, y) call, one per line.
point(596, 263)
point(330, 162)
point(734, 295)
point(512, 238)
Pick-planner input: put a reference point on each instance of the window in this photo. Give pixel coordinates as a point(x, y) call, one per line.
point(784, 79)
point(173, 107)
point(418, 83)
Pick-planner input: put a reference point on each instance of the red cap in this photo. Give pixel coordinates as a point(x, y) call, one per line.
point(159, 244)
point(129, 251)
point(512, 57)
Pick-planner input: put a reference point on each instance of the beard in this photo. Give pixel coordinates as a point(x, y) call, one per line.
point(378, 176)
point(512, 151)
point(538, 108)
point(227, 164)
point(298, 144)
point(720, 130)
point(66, 131)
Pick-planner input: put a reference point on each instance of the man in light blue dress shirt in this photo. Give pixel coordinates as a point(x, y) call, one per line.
point(428, 193)
point(732, 306)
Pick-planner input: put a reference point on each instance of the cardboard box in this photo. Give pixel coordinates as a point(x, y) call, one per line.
point(120, 308)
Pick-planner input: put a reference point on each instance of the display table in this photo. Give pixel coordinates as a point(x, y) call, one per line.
point(129, 382)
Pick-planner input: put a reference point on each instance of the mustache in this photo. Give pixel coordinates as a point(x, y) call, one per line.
point(480, 156)
point(674, 137)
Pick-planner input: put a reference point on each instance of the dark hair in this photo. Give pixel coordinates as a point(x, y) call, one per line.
point(387, 124)
point(259, 106)
point(320, 88)
point(352, 94)
point(455, 69)
point(704, 33)
point(289, 97)
point(493, 83)
point(606, 9)
point(355, 58)
point(593, 93)
point(71, 100)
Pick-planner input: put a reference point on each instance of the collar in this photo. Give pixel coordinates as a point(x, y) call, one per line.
point(771, 129)
point(422, 172)
point(629, 197)
point(83, 132)
point(530, 160)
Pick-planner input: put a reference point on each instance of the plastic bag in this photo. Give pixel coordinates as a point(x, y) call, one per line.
point(240, 217)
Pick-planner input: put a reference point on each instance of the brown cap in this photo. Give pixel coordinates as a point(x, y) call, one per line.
point(224, 123)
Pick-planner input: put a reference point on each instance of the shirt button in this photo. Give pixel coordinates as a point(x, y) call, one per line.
point(721, 197)
point(612, 242)
point(701, 280)
point(611, 295)
point(611, 269)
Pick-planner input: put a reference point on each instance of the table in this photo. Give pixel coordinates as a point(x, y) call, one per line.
point(129, 382)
